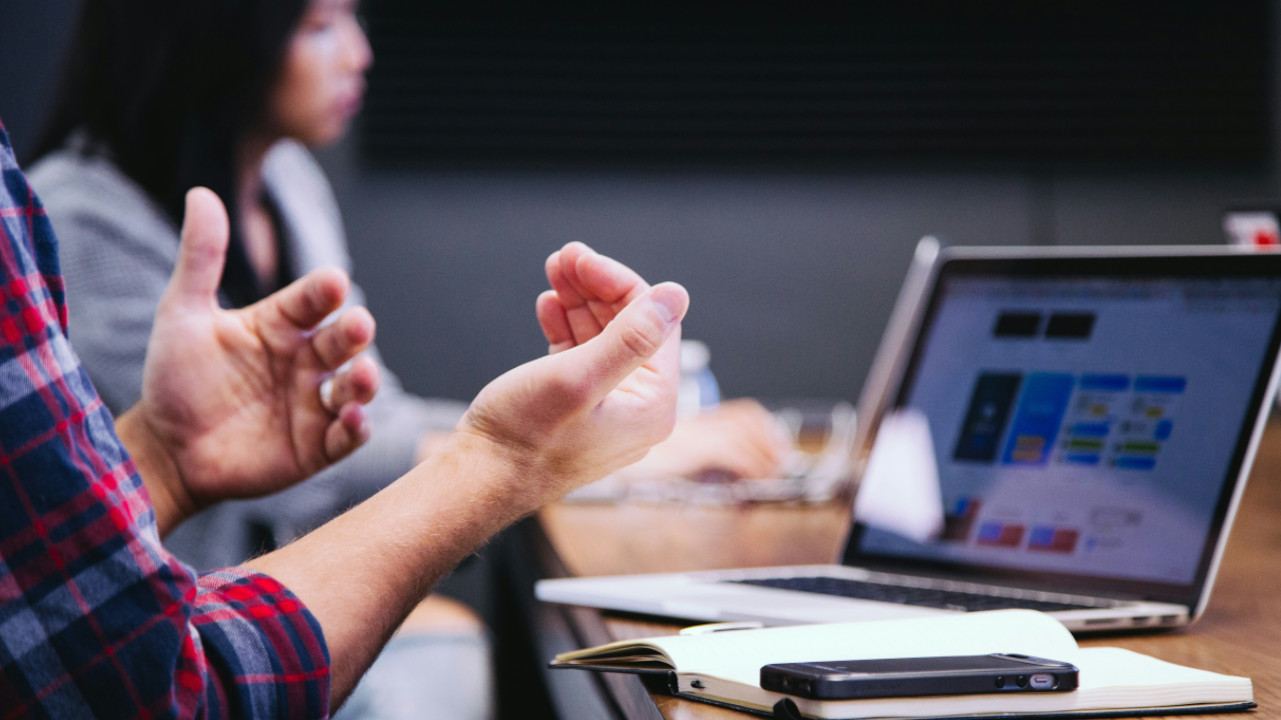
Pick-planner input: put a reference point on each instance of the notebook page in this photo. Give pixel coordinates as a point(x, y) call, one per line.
point(738, 655)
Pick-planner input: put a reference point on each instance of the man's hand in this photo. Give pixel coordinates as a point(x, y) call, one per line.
point(588, 291)
point(589, 408)
point(231, 403)
point(605, 395)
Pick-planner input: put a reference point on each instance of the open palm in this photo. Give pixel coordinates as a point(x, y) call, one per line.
point(233, 394)
point(606, 393)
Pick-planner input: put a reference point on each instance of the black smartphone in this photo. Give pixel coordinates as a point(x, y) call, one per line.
point(899, 677)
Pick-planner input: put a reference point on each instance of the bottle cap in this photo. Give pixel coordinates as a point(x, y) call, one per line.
point(694, 356)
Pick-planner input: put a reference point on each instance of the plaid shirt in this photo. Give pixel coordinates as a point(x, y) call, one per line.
point(96, 619)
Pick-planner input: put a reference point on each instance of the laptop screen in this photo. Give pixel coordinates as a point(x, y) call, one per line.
point(1088, 417)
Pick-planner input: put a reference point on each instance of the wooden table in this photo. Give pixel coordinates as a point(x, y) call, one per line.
point(1240, 633)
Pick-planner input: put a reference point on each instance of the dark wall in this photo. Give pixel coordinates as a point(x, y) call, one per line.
point(33, 34)
point(792, 276)
point(792, 273)
point(815, 83)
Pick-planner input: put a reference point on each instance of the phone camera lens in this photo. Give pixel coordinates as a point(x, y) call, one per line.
point(1000, 681)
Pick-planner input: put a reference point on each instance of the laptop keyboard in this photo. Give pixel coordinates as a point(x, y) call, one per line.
point(907, 595)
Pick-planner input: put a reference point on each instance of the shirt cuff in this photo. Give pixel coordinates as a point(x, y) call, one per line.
point(267, 653)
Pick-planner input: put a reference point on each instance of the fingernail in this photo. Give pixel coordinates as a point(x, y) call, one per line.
point(670, 301)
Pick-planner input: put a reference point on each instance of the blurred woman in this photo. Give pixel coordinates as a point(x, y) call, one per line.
point(162, 95)
point(159, 96)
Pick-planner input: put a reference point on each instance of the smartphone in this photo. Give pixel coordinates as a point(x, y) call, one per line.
point(898, 677)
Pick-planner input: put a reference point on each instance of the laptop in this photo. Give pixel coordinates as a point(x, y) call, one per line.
point(1093, 413)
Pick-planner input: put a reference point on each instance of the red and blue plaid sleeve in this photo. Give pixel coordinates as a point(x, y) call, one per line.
point(96, 619)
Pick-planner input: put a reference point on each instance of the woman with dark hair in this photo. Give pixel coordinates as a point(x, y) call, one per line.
point(178, 94)
point(162, 95)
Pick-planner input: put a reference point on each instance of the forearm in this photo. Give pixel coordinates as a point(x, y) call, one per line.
point(531, 435)
point(363, 572)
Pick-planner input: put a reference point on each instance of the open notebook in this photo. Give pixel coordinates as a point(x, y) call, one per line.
point(723, 668)
point(1093, 414)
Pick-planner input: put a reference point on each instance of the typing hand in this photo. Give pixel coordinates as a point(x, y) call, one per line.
point(738, 438)
point(230, 399)
point(605, 394)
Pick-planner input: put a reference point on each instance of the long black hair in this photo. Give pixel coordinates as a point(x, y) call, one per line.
point(167, 88)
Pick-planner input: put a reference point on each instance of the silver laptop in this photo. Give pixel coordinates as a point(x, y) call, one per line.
point(1093, 413)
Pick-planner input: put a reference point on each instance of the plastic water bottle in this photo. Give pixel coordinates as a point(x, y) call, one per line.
point(698, 390)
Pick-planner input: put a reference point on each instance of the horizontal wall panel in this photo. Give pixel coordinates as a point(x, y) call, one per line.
point(834, 83)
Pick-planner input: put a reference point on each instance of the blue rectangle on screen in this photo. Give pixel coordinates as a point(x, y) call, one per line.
point(990, 531)
point(1091, 429)
point(1128, 462)
point(985, 420)
point(1081, 459)
point(1036, 422)
point(1109, 383)
point(1160, 384)
point(1041, 535)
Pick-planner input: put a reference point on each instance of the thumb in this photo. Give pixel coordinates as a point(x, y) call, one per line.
point(202, 251)
point(633, 338)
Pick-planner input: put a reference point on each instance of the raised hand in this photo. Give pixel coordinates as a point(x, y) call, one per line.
point(533, 434)
point(588, 290)
point(607, 392)
point(231, 403)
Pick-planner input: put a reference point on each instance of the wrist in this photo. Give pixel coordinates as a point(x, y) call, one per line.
point(158, 470)
point(502, 477)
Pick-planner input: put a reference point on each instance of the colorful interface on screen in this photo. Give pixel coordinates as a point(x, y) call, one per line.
point(1086, 426)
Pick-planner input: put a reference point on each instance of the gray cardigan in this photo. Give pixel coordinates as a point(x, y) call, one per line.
point(117, 251)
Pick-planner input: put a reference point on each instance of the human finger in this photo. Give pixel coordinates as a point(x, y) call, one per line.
point(357, 383)
point(564, 277)
point(563, 288)
point(347, 432)
point(756, 457)
point(767, 441)
point(202, 251)
point(635, 337)
point(738, 456)
point(583, 321)
point(606, 279)
point(743, 455)
point(602, 285)
point(344, 338)
point(552, 319)
point(305, 302)
point(739, 437)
